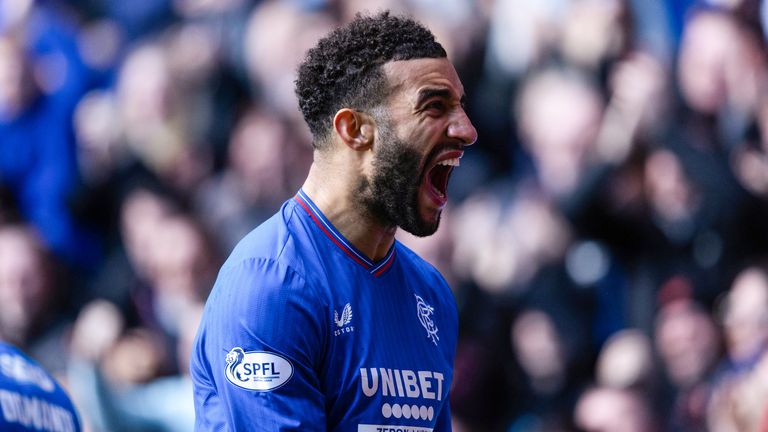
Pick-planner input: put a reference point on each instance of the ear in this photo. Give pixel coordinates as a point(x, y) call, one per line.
point(355, 129)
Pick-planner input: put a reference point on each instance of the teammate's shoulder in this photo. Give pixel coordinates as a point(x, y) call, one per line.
point(24, 382)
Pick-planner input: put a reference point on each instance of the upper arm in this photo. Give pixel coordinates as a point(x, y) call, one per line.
point(257, 351)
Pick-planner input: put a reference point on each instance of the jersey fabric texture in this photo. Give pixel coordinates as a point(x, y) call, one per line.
point(302, 332)
point(30, 399)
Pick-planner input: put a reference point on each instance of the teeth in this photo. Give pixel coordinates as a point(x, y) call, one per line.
point(451, 162)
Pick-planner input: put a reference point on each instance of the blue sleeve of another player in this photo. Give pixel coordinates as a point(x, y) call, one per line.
point(257, 352)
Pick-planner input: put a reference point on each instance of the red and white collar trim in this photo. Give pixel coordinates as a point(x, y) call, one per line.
point(375, 268)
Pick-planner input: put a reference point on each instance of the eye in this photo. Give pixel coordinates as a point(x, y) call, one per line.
point(435, 107)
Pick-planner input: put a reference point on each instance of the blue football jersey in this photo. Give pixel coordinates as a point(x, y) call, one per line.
point(30, 399)
point(303, 332)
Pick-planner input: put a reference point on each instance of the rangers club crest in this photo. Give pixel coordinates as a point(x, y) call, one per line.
point(425, 312)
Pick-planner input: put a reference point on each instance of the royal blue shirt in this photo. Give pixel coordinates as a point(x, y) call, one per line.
point(303, 332)
point(30, 399)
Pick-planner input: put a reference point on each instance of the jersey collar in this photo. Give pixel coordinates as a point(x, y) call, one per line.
point(374, 268)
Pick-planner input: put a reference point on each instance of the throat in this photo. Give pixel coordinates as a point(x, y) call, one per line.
point(438, 178)
point(366, 233)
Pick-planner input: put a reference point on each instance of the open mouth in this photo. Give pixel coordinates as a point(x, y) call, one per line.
point(438, 176)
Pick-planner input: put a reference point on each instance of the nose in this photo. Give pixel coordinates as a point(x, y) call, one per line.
point(461, 128)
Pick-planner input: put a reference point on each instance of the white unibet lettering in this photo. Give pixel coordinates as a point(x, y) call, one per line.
point(402, 383)
point(369, 390)
point(399, 383)
point(10, 411)
point(411, 388)
point(387, 383)
point(426, 384)
point(439, 377)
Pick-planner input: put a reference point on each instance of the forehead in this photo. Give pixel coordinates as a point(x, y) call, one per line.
point(407, 77)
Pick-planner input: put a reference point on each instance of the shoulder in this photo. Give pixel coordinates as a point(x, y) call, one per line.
point(268, 268)
point(429, 276)
point(277, 240)
point(23, 382)
point(266, 273)
point(418, 265)
point(19, 371)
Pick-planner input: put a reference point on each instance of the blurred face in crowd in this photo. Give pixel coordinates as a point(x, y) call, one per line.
point(15, 79)
point(140, 217)
point(181, 263)
point(612, 410)
point(278, 35)
point(96, 129)
point(687, 342)
point(746, 314)
point(24, 283)
point(419, 141)
point(144, 88)
point(703, 51)
point(539, 349)
point(626, 360)
point(668, 188)
point(719, 63)
point(559, 118)
point(502, 248)
point(257, 154)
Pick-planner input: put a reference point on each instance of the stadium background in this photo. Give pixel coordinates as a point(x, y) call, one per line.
point(606, 238)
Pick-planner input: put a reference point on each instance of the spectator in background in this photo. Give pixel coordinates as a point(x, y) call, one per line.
point(610, 409)
point(158, 120)
point(547, 391)
point(562, 156)
point(182, 268)
point(37, 157)
point(277, 36)
point(31, 297)
point(745, 326)
point(657, 168)
point(134, 375)
point(626, 362)
point(688, 345)
point(173, 262)
point(263, 154)
point(113, 374)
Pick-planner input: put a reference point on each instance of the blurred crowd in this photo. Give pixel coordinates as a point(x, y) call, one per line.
point(607, 237)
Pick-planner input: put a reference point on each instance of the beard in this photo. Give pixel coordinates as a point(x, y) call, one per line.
point(391, 194)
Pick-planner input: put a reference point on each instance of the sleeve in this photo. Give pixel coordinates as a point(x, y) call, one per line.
point(257, 352)
point(450, 335)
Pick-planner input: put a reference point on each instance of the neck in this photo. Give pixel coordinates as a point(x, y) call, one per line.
point(333, 193)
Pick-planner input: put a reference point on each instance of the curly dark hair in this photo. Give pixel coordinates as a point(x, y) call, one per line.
point(344, 68)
